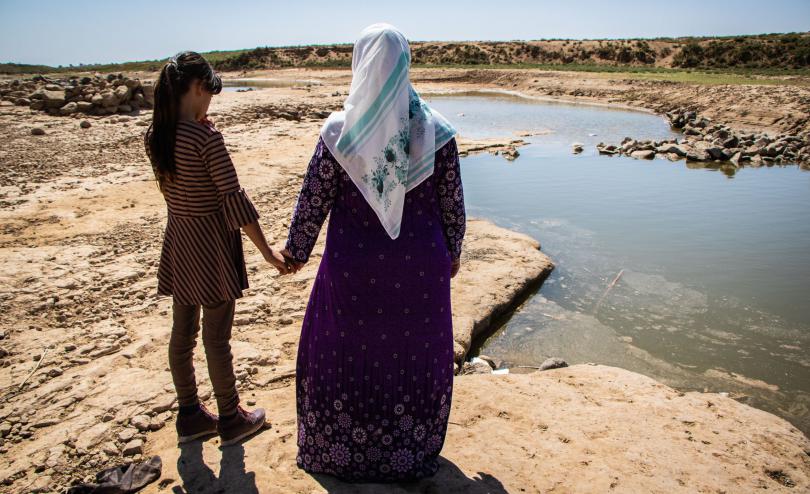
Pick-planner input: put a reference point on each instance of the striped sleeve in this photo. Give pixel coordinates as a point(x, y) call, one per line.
point(237, 206)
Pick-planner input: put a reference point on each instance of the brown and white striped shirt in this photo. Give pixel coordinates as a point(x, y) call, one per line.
point(202, 261)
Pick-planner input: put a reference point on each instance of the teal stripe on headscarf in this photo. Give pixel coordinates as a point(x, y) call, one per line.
point(383, 100)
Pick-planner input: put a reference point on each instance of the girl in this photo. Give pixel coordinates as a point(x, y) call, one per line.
point(202, 263)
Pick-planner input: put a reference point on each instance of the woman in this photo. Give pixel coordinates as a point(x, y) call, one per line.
point(201, 264)
point(375, 359)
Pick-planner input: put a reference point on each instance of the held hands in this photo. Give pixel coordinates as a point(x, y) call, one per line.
point(277, 260)
point(291, 262)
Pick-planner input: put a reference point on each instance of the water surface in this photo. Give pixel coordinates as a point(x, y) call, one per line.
point(714, 291)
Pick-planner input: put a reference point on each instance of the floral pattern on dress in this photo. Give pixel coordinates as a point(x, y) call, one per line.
point(374, 371)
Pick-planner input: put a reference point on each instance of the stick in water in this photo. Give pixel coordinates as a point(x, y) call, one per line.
point(610, 286)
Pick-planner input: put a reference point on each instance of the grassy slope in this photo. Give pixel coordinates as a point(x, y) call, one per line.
point(718, 64)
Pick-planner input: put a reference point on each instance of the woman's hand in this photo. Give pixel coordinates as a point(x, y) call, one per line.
point(294, 265)
point(455, 267)
point(278, 261)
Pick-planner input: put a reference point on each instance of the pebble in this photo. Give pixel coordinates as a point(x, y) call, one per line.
point(126, 435)
point(141, 422)
point(85, 124)
point(37, 131)
point(134, 447)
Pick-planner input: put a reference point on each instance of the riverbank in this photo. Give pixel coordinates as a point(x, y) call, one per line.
point(584, 428)
point(81, 226)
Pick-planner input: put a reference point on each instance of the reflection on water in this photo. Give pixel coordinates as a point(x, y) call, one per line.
point(229, 85)
point(714, 272)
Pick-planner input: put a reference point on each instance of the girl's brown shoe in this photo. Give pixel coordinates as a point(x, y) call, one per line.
point(202, 423)
point(243, 424)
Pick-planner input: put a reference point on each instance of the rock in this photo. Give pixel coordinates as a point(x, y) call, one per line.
point(55, 372)
point(577, 148)
point(108, 99)
point(553, 363)
point(84, 124)
point(122, 93)
point(110, 448)
point(52, 99)
point(134, 447)
point(163, 404)
point(731, 142)
point(69, 109)
point(84, 106)
point(126, 435)
point(717, 153)
point(148, 92)
point(477, 366)
point(643, 155)
point(606, 149)
point(141, 422)
point(736, 158)
point(671, 148)
point(37, 131)
point(124, 108)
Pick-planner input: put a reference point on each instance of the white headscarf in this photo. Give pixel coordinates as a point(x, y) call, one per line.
point(386, 136)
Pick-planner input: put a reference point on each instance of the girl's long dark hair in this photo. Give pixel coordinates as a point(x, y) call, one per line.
point(174, 81)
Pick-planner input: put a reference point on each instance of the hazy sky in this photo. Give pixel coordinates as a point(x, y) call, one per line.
point(80, 31)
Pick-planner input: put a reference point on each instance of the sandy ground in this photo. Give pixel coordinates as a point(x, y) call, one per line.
point(81, 229)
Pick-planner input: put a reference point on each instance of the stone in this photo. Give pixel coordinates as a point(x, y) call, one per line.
point(108, 99)
point(110, 448)
point(717, 153)
point(84, 124)
point(134, 447)
point(731, 142)
point(52, 99)
point(84, 106)
point(126, 435)
point(553, 363)
point(122, 93)
point(671, 148)
point(55, 372)
point(124, 108)
point(643, 154)
point(577, 148)
point(141, 422)
point(164, 404)
point(69, 109)
point(97, 100)
point(37, 131)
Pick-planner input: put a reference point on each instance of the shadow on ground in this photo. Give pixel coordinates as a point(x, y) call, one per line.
point(233, 478)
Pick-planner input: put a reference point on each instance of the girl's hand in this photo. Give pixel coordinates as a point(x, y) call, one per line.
point(295, 265)
point(455, 267)
point(278, 261)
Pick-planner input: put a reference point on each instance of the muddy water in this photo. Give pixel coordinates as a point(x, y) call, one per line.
point(697, 277)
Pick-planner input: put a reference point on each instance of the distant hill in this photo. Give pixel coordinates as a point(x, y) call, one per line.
point(751, 52)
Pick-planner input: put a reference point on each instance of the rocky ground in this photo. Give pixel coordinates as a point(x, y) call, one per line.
point(83, 374)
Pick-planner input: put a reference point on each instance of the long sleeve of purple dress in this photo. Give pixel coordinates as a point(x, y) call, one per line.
point(320, 186)
point(451, 197)
point(314, 202)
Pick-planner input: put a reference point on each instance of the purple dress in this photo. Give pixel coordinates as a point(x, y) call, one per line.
point(375, 359)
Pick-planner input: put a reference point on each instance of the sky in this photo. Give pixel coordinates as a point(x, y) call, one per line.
point(81, 31)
